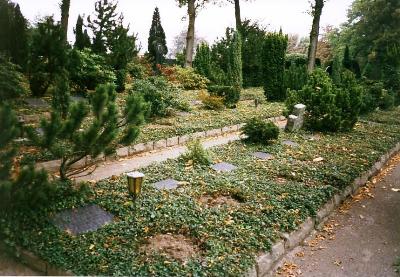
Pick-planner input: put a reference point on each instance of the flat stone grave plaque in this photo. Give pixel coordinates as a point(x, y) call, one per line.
point(263, 156)
point(36, 103)
point(82, 220)
point(290, 143)
point(167, 184)
point(196, 103)
point(223, 167)
point(183, 114)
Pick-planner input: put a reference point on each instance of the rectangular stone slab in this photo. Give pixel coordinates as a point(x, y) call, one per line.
point(290, 143)
point(167, 184)
point(223, 167)
point(263, 156)
point(83, 219)
point(36, 102)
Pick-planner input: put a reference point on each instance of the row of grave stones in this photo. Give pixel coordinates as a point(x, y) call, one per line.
point(92, 217)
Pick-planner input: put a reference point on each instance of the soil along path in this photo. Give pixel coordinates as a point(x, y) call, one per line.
point(361, 238)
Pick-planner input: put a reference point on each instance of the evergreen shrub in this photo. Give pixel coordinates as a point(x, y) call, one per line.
point(228, 93)
point(196, 154)
point(273, 57)
point(211, 102)
point(11, 80)
point(258, 130)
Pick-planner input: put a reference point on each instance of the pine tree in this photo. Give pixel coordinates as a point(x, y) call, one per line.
point(157, 45)
point(48, 55)
point(82, 39)
point(103, 24)
point(105, 127)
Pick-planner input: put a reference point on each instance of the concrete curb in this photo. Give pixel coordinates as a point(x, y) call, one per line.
point(53, 166)
point(266, 262)
point(33, 261)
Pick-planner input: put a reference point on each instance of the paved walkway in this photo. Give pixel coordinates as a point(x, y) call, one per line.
point(108, 169)
point(361, 239)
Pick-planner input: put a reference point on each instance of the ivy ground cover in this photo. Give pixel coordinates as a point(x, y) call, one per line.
point(267, 197)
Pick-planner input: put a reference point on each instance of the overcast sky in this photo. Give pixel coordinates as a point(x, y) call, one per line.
point(212, 21)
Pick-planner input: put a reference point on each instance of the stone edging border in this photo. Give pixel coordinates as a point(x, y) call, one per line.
point(266, 262)
point(33, 262)
point(53, 166)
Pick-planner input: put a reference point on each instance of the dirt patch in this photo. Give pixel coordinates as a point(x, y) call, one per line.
point(218, 201)
point(177, 247)
point(280, 180)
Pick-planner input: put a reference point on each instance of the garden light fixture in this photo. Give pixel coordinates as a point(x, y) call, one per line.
point(135, 181)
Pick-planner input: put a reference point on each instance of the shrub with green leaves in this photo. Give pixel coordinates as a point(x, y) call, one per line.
point(274, 51)
point(11, 80)
point(258, 130)
point(329, 108)
point(374, 95)
point(189, 79)
point(87, 70)
point(160, 94)
point(211, 102)
point(295, 77)
point(197, 154)
point(91, 130)
point(228, 93)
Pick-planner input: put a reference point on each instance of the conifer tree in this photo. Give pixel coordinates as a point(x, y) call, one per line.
point(103, 24)
point(157, 45)
point(235, 74)
point(202, 60)
point(61, 95)
point(12, 22)
point(105, 128)
point(48, 55)
point(346, 58)
point(82, 39)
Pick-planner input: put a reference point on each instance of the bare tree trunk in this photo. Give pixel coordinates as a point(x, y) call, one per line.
point(312, 50)
point(238, 17)
point(65, 4)
point(190, 33)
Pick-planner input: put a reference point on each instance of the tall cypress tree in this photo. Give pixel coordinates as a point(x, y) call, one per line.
point(235, 63)
point(157, 44)
point(346, 58)
point(82, 39)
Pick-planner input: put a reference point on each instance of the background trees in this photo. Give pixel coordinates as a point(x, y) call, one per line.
point(65, 5)
point(82, 39)
point(13, 33)
point(312, 50)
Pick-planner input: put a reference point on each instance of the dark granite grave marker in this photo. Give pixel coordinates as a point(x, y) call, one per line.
point(223, 167)
point(82, 220)
point(167, 184)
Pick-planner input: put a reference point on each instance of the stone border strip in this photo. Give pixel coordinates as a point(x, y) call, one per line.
point(266, 262)
point(53, 166)
point(32, 261)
